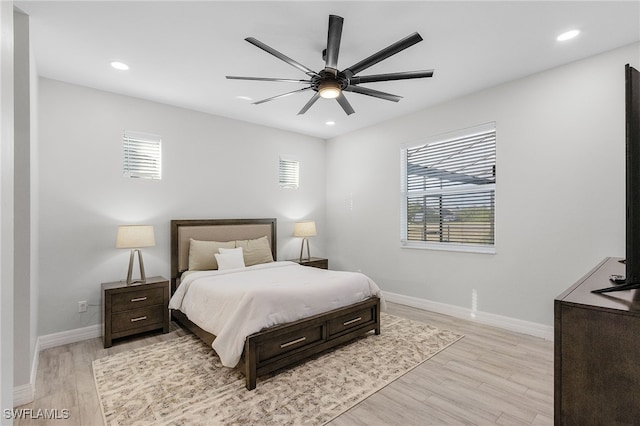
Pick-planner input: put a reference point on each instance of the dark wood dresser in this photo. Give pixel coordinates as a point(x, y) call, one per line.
point(135, 308)
point(597, 352)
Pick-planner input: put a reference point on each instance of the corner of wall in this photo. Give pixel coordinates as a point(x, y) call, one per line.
point(6, 210)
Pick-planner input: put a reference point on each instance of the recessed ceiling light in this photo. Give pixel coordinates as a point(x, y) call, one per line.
point(244, 98)
point(568, 35)
point(119, 65)
point(330, 123)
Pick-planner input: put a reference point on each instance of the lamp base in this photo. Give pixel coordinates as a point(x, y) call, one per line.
point(302, 248)
point(143, 277)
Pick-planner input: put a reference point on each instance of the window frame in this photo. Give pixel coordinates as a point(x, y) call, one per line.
point(405, 194)
point(137, 142)
point(288, 173)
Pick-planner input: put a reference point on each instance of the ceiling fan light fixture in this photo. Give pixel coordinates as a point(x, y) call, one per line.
point(329, 89)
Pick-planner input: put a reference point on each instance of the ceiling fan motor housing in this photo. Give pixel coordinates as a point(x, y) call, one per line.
point(325, 76)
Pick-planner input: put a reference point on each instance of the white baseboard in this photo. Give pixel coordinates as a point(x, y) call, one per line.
point(70, 336)
point(24, 394)
point(507, 323)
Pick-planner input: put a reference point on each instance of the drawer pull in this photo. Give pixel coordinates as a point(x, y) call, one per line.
point(139, 299)
point(293, 342)
point(352, 321)
point(138, 319)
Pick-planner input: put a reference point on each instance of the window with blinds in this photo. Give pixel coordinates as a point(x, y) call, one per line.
point(289, 174)
point(142, 155)
point(448, 191)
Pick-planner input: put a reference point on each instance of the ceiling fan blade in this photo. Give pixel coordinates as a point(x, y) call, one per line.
point(308, 105)
point(286, 80)
point(346, 106)
point(396, 47)
point(282, 95)
point(281, 56)
point(391, 76)
point(333, 41)
point(374, 93)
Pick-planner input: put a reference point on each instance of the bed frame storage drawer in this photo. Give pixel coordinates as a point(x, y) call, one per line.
point(350, 321)
point(136, 299)
point(290, 342)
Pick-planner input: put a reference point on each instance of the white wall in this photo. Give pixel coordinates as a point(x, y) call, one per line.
point(560, 191)
point(212, 167)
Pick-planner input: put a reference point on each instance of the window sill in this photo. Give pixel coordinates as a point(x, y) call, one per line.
point(448, 247)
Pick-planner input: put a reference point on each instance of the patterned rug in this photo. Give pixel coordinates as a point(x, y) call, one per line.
point(181, 381)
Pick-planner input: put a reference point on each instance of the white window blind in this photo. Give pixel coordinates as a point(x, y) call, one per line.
point(448, 191)
point(289, 175)
point(142, 155)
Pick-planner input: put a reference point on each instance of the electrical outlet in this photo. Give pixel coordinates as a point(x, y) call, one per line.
point(82, 306)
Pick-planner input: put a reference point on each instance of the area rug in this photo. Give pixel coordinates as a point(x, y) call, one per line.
point(182, 382)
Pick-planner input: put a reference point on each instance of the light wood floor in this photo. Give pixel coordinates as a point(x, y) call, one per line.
point(491, 376)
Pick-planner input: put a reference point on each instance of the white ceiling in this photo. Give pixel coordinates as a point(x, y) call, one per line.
point(179, 52)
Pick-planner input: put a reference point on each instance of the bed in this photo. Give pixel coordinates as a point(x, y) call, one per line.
point(281, 344)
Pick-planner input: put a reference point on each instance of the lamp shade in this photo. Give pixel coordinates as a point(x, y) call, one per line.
point(304, 229)
point(135, 236)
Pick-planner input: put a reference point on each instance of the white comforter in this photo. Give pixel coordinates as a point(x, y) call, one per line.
point(232, 304)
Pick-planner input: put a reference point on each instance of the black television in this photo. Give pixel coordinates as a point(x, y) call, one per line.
point(631, 279)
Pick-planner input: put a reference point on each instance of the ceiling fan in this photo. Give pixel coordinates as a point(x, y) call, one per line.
point(330, 83)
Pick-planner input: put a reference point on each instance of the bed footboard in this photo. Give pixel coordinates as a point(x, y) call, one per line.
point(288, 344)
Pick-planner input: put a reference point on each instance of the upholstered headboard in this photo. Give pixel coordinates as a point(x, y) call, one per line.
point(214, 230)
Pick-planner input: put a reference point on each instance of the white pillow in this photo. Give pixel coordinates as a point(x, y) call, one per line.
point(230, 258)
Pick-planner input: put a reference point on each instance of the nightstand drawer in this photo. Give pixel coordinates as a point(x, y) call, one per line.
point(136, 299)
point(350, 321)
point(137, 318)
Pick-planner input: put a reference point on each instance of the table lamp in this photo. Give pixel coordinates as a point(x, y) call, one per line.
point(304, 229)
point(135, 237)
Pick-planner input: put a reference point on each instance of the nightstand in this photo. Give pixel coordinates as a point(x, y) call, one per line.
point(135, 308)
point(315, 262)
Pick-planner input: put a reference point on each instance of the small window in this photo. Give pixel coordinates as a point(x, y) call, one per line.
point(448, 191)
point(142, 155)
point(289, 175)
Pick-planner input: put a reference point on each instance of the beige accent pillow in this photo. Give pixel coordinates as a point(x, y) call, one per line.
point(256, 251)
point(202, 253)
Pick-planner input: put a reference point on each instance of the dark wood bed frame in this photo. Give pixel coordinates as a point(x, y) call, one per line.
point(283, 345)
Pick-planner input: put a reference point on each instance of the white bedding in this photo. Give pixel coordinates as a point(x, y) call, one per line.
point(234, 303)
